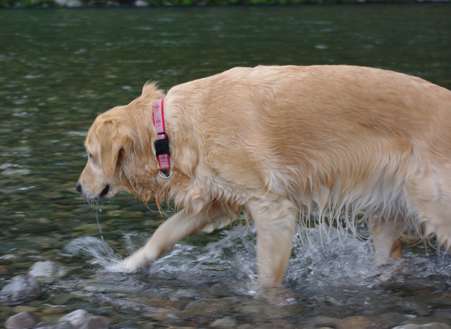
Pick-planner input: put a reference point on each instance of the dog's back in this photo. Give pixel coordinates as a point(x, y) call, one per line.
point(329, 137)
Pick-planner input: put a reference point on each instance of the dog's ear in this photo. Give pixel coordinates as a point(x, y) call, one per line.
point(111, 142)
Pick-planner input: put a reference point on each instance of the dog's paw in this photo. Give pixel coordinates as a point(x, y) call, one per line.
point(276, 294)
point(127, 265)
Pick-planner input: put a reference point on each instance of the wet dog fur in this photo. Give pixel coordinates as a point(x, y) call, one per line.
point(279, 144)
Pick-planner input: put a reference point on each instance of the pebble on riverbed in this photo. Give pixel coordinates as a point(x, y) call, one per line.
point(434, 325)
point(22, 320)
point(47, 271)
point(79, 319)
point(21, 289)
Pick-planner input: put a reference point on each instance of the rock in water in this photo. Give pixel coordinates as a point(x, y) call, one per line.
point(76, 318)
point(80, 319)
point(23, 320)
point(21, 289)
point(47, 271)
point(58, 325)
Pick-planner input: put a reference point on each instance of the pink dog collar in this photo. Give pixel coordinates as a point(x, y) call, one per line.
point(162, 143)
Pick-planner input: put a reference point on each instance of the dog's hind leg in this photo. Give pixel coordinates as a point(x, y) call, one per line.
point(429, 193)
point(166, 236)
point(386, 237)
point(275, 223)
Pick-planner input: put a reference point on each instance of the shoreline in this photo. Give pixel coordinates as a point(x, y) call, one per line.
point(207, 4)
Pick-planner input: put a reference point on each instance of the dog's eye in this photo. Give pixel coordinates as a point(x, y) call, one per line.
point(90, 156)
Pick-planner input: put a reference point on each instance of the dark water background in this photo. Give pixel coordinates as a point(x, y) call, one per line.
point(60, 68)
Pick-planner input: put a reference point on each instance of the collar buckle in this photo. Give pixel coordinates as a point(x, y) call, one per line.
point(161, 144)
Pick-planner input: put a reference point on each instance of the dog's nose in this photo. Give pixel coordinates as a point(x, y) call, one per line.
point(78, 187)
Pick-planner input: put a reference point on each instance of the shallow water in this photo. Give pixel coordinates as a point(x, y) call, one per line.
point(60, 68)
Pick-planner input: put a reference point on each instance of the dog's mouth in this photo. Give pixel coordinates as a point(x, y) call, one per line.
point(104, 191)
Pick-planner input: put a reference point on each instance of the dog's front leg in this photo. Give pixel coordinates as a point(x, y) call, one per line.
point(165, 237)
point(275, 223)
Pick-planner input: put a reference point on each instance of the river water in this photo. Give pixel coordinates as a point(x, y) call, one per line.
point(60, 68)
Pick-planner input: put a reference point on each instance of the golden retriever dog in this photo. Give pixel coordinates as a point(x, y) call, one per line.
point(282, 145)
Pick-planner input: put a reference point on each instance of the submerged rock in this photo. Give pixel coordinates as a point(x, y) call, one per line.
point(23, 320)
point(57, 325)
point(224, 323)
point(21, 289)
point(356, 322)
point(434, 325)
point(80, 319)
point(94, 322)
point(76, 318)
point(47, 271)
point(207, 307)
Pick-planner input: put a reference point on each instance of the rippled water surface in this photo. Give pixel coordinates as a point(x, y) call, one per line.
point(60, 68)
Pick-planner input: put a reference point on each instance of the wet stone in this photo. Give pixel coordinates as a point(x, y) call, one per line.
point(355, 322)
point(76, 318)
point(184, 294)
point(435, 318)
point(325, 321)
point(264, 309)
point(47, 271)
point(22, 320)
point(391, 319)
point(94, 322)
point(206, 307)
point(161, 314)
point(21, 289)
point(224, 323)
point(54, 325)
point(434, 325)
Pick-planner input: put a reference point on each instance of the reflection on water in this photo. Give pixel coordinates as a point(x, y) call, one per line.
point(60, 68)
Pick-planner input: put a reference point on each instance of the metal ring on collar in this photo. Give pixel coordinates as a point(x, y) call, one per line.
point(164, 176)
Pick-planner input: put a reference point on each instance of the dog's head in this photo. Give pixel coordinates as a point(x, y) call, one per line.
point(119, 146)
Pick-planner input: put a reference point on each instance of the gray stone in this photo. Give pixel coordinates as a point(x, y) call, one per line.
point(23, 320)
point(325, 321)
point(434, 325)
point(55, 325)
point(21, 289)
point(47, 271)
point(76, 318)
point(207, 307)
point(224, 323)
point(80, 319)
point(95, 322)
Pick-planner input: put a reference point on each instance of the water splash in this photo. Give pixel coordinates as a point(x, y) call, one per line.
point(232, 258)
point(103, 254)
point(337, 260)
